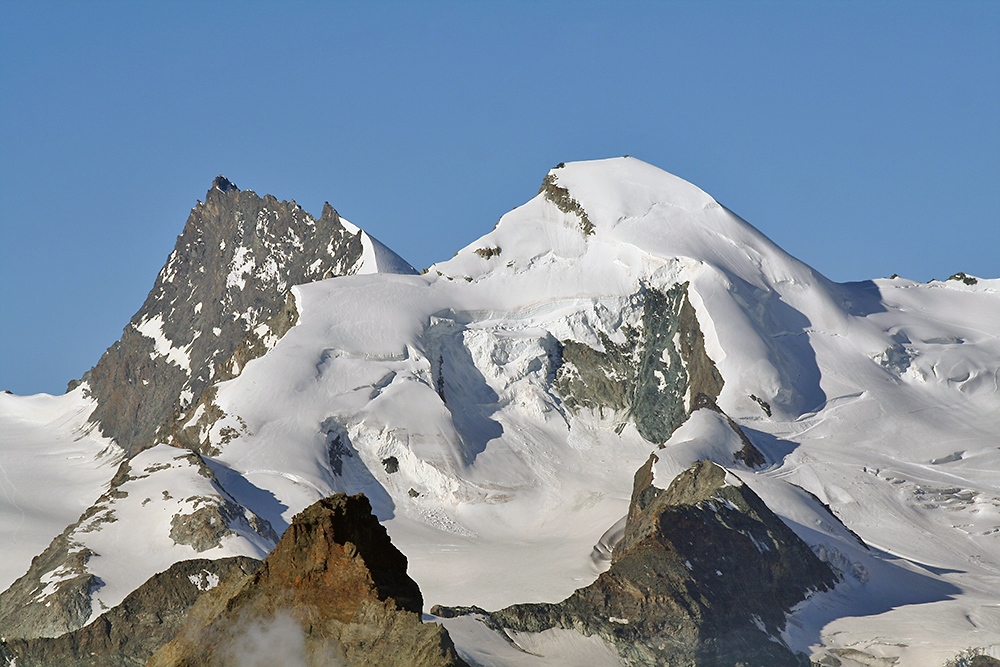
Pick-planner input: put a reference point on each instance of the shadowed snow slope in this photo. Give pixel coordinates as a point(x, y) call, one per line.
point(46, 444)
point(495, 409)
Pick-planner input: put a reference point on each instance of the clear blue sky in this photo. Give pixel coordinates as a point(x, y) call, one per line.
point(863, 137)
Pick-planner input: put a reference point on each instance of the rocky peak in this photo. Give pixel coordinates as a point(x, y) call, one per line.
point(703, 576)
point(337, 530)
point(329, 212)
point(224, 184)
point(231, 270)
point(335, 584)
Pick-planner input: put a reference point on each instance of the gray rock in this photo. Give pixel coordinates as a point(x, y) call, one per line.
point(703, 576)
point(34, 606)
point(565, 202)
point(650, 376)
point(128, 634)
point(230, 272)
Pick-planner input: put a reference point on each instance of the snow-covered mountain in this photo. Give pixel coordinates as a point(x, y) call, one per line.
point(226, 280)
point(222, 298)
point(496, 408)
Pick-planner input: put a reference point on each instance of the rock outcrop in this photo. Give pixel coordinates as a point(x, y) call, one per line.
point(653, 376)
point(229, 275)
point(128, 634)
point(703, 576)
point(62, 589)
point(334, 589)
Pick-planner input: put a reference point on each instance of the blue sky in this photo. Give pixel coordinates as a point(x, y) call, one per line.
point(862, 137)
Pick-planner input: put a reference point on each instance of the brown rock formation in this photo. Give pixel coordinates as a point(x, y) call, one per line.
point(334, 591)
point(128, 634)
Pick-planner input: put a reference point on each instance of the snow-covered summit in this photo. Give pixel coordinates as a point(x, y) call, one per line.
point(618, 226)
point(627, 202)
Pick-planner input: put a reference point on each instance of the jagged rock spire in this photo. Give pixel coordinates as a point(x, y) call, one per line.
point(231, 271)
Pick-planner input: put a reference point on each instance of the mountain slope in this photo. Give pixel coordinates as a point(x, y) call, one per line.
point(47, 443)
point(163, 506)
point(229, 273)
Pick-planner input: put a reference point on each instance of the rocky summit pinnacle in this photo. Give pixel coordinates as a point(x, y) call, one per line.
point(336, 584)
point(223, 183)
point(230, 272)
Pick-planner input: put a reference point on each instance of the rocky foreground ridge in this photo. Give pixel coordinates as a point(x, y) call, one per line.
point(334, 591)
point(127, 635)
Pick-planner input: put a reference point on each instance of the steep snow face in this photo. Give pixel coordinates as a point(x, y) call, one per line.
point(375, 257)
point(53, 465)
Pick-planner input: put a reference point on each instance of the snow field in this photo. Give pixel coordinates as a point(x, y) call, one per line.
point(46, 444)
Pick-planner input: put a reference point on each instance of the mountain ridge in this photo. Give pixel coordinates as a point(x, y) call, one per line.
point(229, 272)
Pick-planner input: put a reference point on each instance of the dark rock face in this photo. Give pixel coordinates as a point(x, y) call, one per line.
point(651, 374)
point(128, 634)
point(336, 586)
point(23, 612)
point(703, 576)
point(565, 202)
point(230, 272)
point(963, 277)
